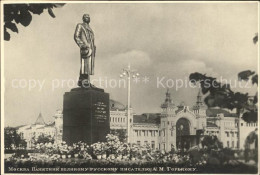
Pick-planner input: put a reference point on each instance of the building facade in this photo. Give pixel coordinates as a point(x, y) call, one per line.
point(33, 131)
point(177, 126)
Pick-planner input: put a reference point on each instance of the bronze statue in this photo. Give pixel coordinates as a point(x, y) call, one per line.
point(84, 37)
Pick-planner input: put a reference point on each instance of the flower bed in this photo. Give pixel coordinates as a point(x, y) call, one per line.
point(114, 153)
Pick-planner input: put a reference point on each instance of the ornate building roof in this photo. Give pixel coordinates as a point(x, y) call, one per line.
point(147, 118)
point(211, 124)
point(199, 103)
point(115, 105)
point(168, 101)
point(40, 120)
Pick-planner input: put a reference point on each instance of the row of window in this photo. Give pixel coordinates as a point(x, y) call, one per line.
point(230, 124)
point(232, 134)
point(250, 124)
point(152, 144)
point(212, 132)
point(164, 123)
point(118, 119)
point(152, 133)
point(232, 144)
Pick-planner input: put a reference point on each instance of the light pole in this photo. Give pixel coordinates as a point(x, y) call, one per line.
point(129, 74)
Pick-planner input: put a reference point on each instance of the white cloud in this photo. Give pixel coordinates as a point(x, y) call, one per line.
point(184, 68)
point(135, 58)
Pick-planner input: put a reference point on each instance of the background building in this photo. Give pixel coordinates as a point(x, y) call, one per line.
point(177, 126)
point(33, 131)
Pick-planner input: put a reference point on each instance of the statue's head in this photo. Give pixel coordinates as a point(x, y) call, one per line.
point(86, 18)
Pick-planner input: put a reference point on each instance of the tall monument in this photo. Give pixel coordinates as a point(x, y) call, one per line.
point(86, 108)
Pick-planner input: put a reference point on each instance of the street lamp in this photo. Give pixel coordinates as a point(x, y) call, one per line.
point(128, 73)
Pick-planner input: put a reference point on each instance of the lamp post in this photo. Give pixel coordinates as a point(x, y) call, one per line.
point(128, 73)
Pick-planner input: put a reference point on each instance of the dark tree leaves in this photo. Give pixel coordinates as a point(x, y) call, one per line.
point(22, 13)
point(13, 139)
point(245, 75)
point(11, 26)
point(220, 95)
point(250, 116)
point(6, 35)
point(255, 39)
point(51, 12)
point(255, 79)
point(44, 139)
point(25, 18)
point(36, 9)
point(211, 142)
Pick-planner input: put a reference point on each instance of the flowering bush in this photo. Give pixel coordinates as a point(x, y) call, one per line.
point(134, 151)
point(115, 151)
point(99, 148)
point(124, 149)
point(113, 144)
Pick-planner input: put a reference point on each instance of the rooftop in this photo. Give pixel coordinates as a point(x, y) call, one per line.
point(212, 112)
point(147, 118)
point(40, 120)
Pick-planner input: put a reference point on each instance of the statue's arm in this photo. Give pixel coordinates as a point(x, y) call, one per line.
point(94, 43)
point(77, 39)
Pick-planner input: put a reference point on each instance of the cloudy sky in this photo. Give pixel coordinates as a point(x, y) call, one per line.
point(162, 41)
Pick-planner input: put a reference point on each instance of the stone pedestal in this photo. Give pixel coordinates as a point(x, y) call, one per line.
point(85, 115)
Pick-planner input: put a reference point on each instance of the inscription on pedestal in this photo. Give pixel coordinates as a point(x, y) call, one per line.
point(85, 116)
point(100, 112)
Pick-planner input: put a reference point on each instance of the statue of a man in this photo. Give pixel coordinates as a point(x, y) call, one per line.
point(84, 37)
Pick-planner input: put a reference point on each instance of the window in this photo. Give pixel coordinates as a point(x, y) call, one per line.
point(153, 144)
point(233, 144)
point(241, 124)
point(171, 133)
point(145, 142)
point(232, 134)
point(138, 143)
point(228, 144)
point(164, 146)
point(227, 134)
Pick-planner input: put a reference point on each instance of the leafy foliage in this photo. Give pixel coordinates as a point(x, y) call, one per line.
point(211, 142)
point(44, 139)
point(120, 133)
point(22, 13)
point(220, 95)
point(255, 39)
point(13, 139)
point(252, 138)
